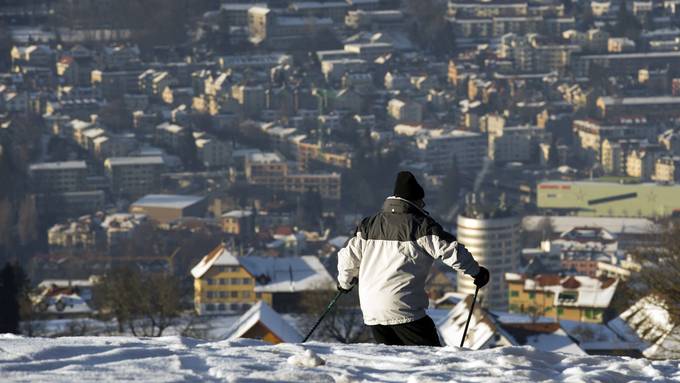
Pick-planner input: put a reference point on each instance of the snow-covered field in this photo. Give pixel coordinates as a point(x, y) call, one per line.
point(175, 359)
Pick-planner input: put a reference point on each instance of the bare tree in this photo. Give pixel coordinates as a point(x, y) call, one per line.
point(144, 304)
point(661, 269)
point(344, 323)
point(657, 283)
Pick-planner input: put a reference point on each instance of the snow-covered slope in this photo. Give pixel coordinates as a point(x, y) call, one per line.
point(174, 359)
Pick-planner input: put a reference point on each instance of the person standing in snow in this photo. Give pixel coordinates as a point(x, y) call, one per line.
point(391, 253)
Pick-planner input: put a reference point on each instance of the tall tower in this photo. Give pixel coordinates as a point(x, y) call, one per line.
point(491, 232)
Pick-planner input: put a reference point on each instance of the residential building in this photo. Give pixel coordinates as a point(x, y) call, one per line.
point(577, 298)
point(641, 163)
point(615, 154)
point(405, 111)
point(378, 19)
point(134, 176)
point(261, 322)
point(251, 99)
point(490, 329)
point(239, 222)
point(170, 135)
point(212, 152)
point(655, 107)
point(93, 231)
point(443, 148)
point(58, 177)
point(667, 169)
point(517, 143)
point(113, 84)
point(224, 282)
point(274, 27)
point(269, 169)
point(591, 134)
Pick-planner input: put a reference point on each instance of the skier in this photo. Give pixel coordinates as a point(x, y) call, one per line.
point(391, 253)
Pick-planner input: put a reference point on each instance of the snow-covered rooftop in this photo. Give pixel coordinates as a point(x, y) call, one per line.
point(219, 256)
point(65, 165)
point(123, 161)
point(614, 225)
point(587, 291)
point(173, 201)
point(273, 274)
point(237, 214)
point(267, 317)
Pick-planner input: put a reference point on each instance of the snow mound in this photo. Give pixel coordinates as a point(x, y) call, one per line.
point(308, 359)
point(175, 359)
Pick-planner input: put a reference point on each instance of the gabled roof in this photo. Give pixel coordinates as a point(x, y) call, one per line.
point(218, 256)
point(267, 317)
point(480, 331)
point(554, 340)
point(272, 274)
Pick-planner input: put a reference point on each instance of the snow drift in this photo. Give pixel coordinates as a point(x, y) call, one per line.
point(175, 359)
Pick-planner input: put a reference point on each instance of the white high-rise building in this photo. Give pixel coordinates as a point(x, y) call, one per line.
point(493, 238)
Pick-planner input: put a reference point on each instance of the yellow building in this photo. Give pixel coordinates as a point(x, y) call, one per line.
point(577, 298)
point(225, 283)
point(239, 222)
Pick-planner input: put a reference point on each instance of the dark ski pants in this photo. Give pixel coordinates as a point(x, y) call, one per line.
point(421, 332)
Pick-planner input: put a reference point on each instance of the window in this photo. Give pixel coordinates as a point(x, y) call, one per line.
point(235, 281)
point(223, 294)
point(210, 294)
point(258, 295)
point(246, 281)
point(560, 311)
point(221, 307)
point(234, 294)
point(569, 296)
point(246, 294)
point(532, 295)
point(210, 307)
point(233, 306)
point(223, 281)
point(514, 293)
point(210, 281)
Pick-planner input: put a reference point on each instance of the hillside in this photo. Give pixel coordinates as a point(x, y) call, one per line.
point(174, 359)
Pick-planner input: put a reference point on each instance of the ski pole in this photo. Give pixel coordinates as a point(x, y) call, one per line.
point(328, 309)
point(472, 307)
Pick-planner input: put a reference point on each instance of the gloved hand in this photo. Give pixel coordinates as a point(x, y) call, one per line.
point(352, 283)
point(482, 277)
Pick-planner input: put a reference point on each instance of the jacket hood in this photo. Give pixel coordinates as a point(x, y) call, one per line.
point(401, 206)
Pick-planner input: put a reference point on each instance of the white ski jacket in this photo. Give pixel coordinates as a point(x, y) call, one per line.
point(391, 253)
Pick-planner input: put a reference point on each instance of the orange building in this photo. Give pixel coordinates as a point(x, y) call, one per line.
point(578, 298)
point(263, 323)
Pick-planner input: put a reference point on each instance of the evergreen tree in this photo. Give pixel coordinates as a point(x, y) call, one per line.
point(9, 300)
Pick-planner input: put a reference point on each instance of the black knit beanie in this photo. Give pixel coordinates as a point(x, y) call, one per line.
point(407, 187)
